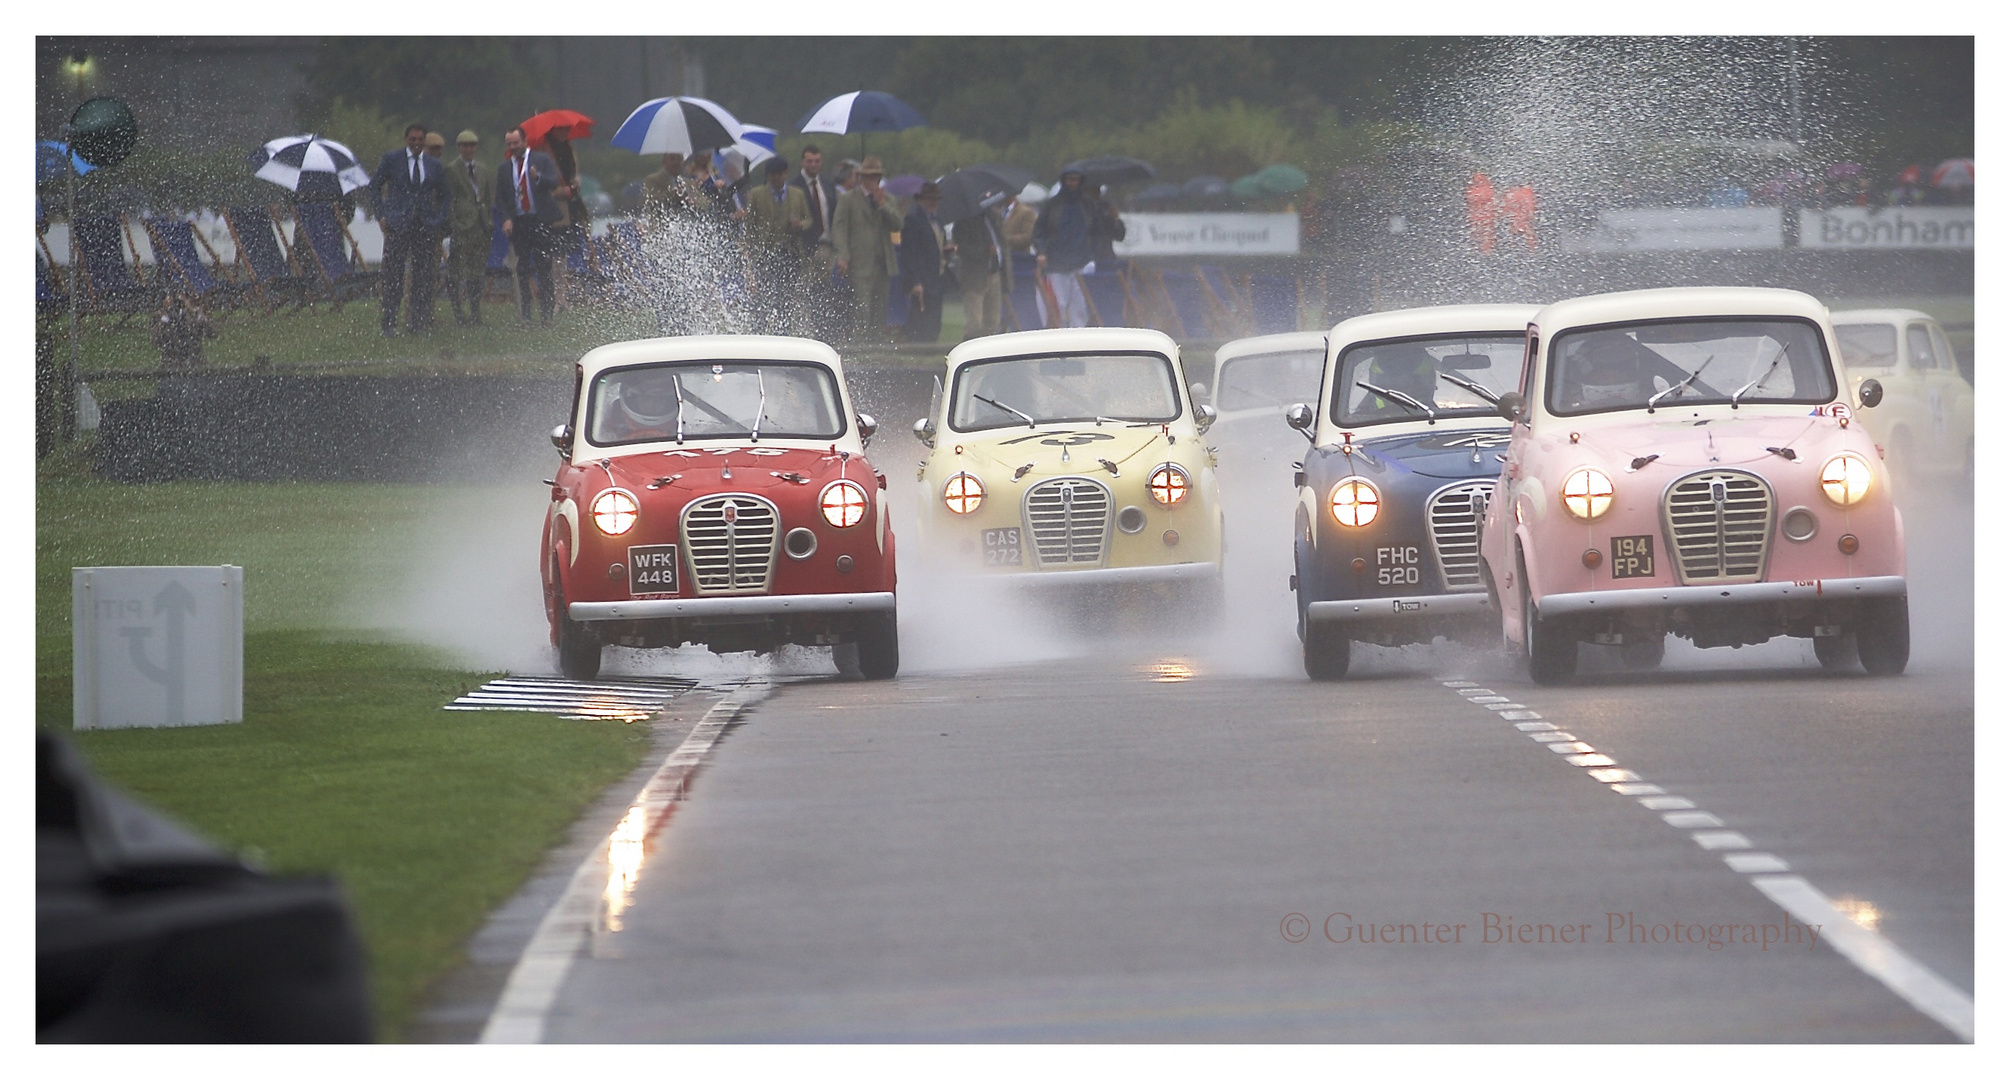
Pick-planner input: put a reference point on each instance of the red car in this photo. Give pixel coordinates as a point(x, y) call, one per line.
point(715, 490)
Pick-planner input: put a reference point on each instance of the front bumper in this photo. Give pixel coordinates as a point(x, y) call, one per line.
point(1115, 575)
point(1752, 592)
point(1398, 607)
point(721, 606)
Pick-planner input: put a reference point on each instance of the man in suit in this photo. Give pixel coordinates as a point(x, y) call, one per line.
point(983, 271)
point(924, 261)
point(471, 191)
point(821, 196)
point(523, 191)
point(411, 194)
point(862, 233)
point(776, 217)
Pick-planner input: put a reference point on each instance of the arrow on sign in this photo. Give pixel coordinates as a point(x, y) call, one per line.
point(177, 603)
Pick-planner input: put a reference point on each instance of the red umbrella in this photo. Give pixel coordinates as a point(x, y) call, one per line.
point(1911, 175)
point(1954, 172)
point(537, 127)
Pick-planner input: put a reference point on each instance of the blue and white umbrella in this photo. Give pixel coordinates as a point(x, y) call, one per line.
point(861, 110)
point(49, 155)
point(677, 125)
point(757, 144)
point(309, 165)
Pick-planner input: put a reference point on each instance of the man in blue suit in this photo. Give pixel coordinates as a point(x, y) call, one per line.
point(412, 205)
point(523, 193)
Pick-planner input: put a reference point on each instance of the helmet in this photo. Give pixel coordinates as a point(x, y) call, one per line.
point(649, 399)
point(1609, 373)
point(1407, 368)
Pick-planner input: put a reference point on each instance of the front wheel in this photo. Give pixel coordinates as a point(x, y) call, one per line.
point(879, 646)
point(578, 651)
point(1644, 653)
point(1327, 652)
point(1836, 653)
point(1552, 656)
point(1884, 635)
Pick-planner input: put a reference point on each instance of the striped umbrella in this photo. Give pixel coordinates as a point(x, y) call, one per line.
point(309, 165)
point(756, 143)
point(677, 125)
point(861, 110)
point(1954, 172)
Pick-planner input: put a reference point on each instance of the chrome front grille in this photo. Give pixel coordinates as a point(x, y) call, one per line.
point(1069, 520)
point(730, 543)
point(1455, 516)
point(1719, 523)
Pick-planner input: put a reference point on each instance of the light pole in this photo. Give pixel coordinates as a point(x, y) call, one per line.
point(79, 66)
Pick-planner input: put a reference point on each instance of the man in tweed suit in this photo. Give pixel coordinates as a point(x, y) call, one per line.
point(469, 228)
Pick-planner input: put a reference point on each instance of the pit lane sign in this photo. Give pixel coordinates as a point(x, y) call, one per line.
point(157, 646)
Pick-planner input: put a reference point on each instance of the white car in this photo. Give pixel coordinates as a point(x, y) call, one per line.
point(1926, 422)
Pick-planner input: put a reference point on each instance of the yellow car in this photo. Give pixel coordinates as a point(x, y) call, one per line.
point(1926, 423)
point(1071, 457)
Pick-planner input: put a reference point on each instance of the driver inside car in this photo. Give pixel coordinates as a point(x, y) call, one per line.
point(645, 407)
point(1406, 369)
point(1605, 374)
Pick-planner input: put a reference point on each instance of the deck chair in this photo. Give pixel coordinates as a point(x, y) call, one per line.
point(268, 269)
point(52, 295)
point(1274, 303)
point(1104, 291)
point(109, 285)
point(174, 244)
point(335, 252)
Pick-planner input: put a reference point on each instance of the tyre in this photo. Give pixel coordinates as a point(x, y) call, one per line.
point(1645, 653)
point(878, 646)
point(1327, 652)
point(1884, 635)
point(578, 651)
point(1552, 656)
point(1836, 653)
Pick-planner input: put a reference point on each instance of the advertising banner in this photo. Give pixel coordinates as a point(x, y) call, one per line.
point(1864, 229)
point(1208, 234)
point(1676, 228)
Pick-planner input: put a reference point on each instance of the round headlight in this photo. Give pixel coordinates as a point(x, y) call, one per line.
point(615, 511)
point(1587, 493)
point(1846, 479)
point(963, 494)
point(1168, 484)
point(1354, 502)
point(843, 503)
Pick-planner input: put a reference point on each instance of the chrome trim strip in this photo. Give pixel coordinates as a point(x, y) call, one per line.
point(1751, 592)
point(700, 607)
point(1117, 575)
point(1397, 607)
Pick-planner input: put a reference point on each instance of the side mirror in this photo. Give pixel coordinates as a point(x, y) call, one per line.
point(1203, 418)
point(1300, 417)
point(1870, 393)
point(561, 438)
point(924, 429)
point(1199, 391)
point(1510, 406)
point(867, 428)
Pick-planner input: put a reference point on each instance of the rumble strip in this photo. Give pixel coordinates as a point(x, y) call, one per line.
point(1870, 951)
point(591, 901)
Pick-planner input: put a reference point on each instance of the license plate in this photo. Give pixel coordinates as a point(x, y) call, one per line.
point(1632, 556)
point(1400, 564)
point(652, 568)
point(1001, 547)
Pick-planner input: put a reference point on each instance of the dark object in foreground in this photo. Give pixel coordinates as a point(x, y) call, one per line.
point(145, 933)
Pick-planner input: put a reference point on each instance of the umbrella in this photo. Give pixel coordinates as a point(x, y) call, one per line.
point(1012, 176)
point(904, 185)
point(49, 157)
point(1110, 169)
point(309, 166)
point(677, 125)
point(1161, 192)
point(861, 110)
point(969, 192)
point(1283, 179)
point(537, 127)
point(1248, 187)
point(1912, 175)
point(1205, 187)
point(1033, 194)
point(1954, 172)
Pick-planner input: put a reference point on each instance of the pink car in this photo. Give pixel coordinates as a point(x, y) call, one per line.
point(1685, 461)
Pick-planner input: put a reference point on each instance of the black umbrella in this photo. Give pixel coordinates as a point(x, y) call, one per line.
point(1110, 169)
point(971, 191)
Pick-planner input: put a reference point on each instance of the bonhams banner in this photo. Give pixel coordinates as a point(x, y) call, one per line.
point(1208, 234)
point(1892, 227)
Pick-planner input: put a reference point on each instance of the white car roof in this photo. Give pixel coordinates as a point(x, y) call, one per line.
point(1878, 315)
point(1676, 304)
point(1063, 340)
point(1304, 341)
point(709, 347)
point(1443, 319)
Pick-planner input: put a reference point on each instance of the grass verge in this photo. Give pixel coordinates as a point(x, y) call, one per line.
point(345, 763)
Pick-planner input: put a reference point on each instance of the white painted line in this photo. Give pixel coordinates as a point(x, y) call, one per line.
point(1551, 736)
point(1667, 802)
point(1636, 789)
point(1457, 683)
point(1614, 776)
point(1520, 714)
point(1515, 705)
point(1572, 747)
point(1693, 819)
point(1755, 862)
point(519, 1015)
point(1874, 955)
point(1482, 699)
point(1535, 725)
point(1721, 840)
point(1584, 761)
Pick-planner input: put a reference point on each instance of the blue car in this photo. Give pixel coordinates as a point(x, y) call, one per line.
point(1407, 440)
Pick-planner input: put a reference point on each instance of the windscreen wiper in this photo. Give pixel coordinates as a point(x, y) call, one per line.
point(1684, 384)
point(1468, 384)
point(1001, 405)
point(1761, 380)
point(1399, 397)
point(761, 382)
